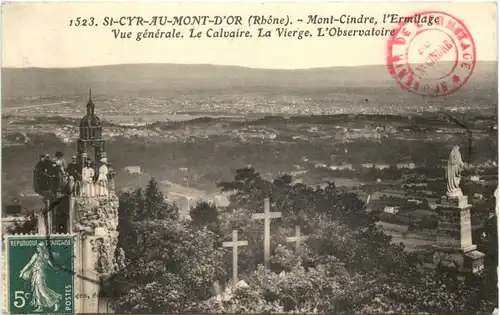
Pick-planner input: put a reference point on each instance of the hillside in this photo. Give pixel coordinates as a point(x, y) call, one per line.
point(160, 79)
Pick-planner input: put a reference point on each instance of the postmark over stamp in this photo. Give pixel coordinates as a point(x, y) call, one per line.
point(431, 53)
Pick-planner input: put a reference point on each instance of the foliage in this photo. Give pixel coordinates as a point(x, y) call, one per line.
point(487, 238)
point(150, 204)
point(26, 225)
point(483, 208)
point(347, 266)
point(170, 249)
point(141, 205)
point(205, 214)
point(424, 291)
point(297, 202)
point(167, 294)
point(294, 291)
point(127, 210)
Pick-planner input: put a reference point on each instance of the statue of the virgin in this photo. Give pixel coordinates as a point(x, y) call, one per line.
point(453, 170)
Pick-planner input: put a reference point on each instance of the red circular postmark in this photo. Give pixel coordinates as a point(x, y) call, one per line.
point(431, 53)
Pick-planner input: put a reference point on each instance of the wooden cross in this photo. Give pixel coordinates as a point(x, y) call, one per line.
point(267, 216)
point(297, 238)
point(234, 244)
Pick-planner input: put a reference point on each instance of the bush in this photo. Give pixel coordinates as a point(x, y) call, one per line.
point(294, 291)
point(170, 250)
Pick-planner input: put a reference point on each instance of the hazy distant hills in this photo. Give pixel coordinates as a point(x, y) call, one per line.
point(155, 79)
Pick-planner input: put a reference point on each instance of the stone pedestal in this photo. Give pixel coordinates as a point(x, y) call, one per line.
point(454, 248)
point(89, 282)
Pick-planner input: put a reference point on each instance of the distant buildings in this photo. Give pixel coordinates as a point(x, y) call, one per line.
point(474, 178)
point(300, 137)
point(342, 167)
point(349, 135)
point(221, 200)
point(391, 209)
point(407, 165)
point(403, 165)
point(415, 201)
point(133, 169)
point(297, 172)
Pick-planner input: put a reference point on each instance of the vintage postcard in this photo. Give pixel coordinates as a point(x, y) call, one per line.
point(253, 157)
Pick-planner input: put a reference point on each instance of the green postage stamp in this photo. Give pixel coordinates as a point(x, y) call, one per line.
point(41, 274)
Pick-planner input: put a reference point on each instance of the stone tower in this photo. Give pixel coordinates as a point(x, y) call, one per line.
point(90, 136)
point(91, 209)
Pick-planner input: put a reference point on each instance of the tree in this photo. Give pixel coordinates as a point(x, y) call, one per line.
point(155, 205)
point(298, 202)
point(177, 268)
point(127, 215)
point(205, 215)
point(249, 186)
point(138, 204)
point(150, 203)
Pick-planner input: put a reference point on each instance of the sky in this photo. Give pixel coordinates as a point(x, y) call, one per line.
point(39, 35)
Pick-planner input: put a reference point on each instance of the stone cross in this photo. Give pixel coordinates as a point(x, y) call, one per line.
point(297, 238)
point(267, 216)
point(234, 244)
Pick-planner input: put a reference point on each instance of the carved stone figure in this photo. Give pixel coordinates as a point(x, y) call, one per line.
point(453, 170)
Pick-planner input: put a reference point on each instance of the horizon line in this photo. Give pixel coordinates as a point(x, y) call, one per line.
point(205, 64)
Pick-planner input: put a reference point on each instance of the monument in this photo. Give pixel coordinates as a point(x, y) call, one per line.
point(454, 248)
point(75, 248)
point(234, 244)
point(267, 216)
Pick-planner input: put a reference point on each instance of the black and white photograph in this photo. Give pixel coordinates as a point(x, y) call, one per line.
point(249, 158)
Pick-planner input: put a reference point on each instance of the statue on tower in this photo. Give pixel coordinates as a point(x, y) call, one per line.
point(453, 170)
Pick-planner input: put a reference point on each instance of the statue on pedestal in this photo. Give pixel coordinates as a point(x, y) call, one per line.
point(454, 248)
point(453, 170)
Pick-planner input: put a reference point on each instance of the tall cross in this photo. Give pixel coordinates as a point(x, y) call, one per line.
point(297, 238)
point(234, 244)
point(267, 216)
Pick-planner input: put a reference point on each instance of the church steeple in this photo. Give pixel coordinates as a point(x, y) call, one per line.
point(90, 135)
point(90, 125)
point(90, 104)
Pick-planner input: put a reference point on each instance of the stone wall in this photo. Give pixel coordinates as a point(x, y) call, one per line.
point(98, 216)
